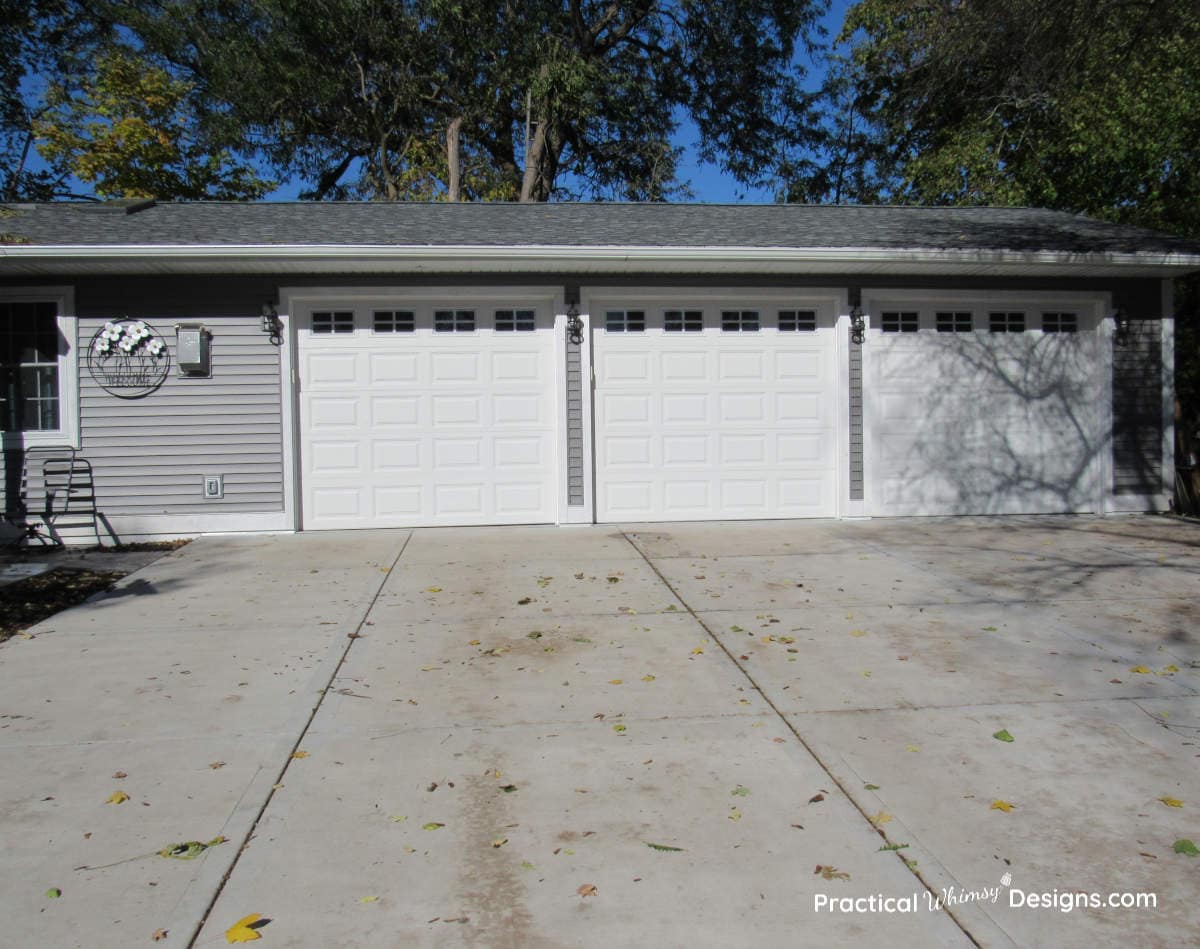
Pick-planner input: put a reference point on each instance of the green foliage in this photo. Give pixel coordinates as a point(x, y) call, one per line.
point(128, 134)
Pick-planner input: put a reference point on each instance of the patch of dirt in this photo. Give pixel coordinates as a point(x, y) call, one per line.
point(163, 545)
point(29, 601)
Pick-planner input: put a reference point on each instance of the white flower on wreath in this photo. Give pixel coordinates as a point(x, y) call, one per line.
point(155, 347)
point(103, 345)
point(127, 343)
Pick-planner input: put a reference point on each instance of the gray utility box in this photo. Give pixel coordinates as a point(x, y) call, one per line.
point(193, 349)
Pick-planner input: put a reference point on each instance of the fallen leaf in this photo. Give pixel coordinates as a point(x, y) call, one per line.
point(1003, 735)
point(299, 754)
point(215, 765)
point(53, 893)
point(614, 681)
point(524, 601)
point(912, 748)
point(698, 651)
point(119, 775)
point(1167, 670)
point(1171, 801)
point(1140, 670)
point(368, 899)
point(117, 797)
point(831, 873)
point(432, 825)
point(499, 842)
point(663, 848)
point(526, 865)
point(734, 814)
point(159, 935)
point(740, 791)
point(586, 889)
point(883, 817)
point(434, 590)
point(999, 805)
point(189, 848)
point(648, 678)
point(473, 642)
point(988, 629)
point(244, 929)
point(618, 728)
point(871, 787)
point(508, 788)
point(816, 799)
point(1185, 846)
point(398, 818)
point(858, 633)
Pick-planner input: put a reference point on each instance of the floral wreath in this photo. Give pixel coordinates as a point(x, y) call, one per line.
point(128, 337)
point(128, 358)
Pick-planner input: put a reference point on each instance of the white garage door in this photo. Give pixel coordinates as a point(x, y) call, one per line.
point(426, 415)
point(714, 411)
point(983, 408)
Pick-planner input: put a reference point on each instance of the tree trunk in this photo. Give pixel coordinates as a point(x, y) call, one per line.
point(453, 160)
point(532, 186)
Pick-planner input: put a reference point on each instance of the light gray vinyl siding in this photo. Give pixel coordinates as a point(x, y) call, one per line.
point(1137, 410)
point(574, 424)
point(151, 454)
point(856, 420)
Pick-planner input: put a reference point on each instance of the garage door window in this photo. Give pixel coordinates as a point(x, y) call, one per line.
point(797, 321)
point(333, 322)
point(625, 321)
point(454, 321)
point(394, 321)
point(954, 322)
point(739, 321)
point(1059, 323)
point(683, 321)
point(515, 321)
point(1006, 322)
point(895, 321)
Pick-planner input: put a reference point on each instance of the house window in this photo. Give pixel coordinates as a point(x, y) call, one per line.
point(454, 321)
point(331, 322)
point(394, 321)
point(743, 321)
point(957, 322)
point(29, 367)
point(1059, 323)
point(895, 321)
point(515, 321)
point(1006, 322)
point(625, 321)
point(797, 321)
point(683, 321)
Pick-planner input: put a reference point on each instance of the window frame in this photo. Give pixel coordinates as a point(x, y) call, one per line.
point(397, 327)
point(335, 325)
point(798, 320)
point(67, 327)
point(1003, 321)
point(518, 319)
point(459, 317)
point(954, 321)
point(1065, 322)
point(686, 320)
point(905, 321)
point(614, 316)
point(734, 321)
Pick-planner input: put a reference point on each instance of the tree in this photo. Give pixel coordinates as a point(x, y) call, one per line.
point(475, 99)
point(128, 134)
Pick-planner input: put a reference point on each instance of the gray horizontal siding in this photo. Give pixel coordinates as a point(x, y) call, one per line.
point(1137, 410)
point(151, 454)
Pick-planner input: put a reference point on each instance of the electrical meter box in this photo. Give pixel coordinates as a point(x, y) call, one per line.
point(192, 350)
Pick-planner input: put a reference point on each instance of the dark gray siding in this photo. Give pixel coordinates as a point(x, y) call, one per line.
point(1138, 409)
point(856, 420)
point(574, 424)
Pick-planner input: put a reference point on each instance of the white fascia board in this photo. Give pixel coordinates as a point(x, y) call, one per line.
point(263, 258)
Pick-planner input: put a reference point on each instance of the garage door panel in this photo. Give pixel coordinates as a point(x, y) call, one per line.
point(419, 428)
point(982, 422)
point(713, 424)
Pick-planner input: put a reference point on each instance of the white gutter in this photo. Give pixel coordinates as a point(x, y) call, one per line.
point(393, 258)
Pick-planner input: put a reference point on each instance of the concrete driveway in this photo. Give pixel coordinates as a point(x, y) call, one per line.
point(755, 734)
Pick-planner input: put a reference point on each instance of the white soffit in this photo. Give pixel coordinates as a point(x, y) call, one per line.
point(47, 260)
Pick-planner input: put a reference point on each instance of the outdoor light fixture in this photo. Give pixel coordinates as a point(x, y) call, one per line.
point(858, 325)
point(270, 321)
point(1121, 326)
point(574, 324)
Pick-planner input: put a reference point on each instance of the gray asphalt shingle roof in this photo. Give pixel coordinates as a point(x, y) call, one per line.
point(575, 225)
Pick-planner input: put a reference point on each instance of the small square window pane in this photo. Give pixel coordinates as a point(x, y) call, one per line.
point(895, 321)
point(394, 321)
point(1059, 323)
point(454, 321)
point(954, 322)
point(625, 321)
point(1006, 322)
point(797, 321)
point(341, 321)
point(739, 321)
point(683, 321)
point(515, 321)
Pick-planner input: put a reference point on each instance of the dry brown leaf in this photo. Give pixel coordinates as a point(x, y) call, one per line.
point(299, 754)
point(586, 889)
point(159, 935)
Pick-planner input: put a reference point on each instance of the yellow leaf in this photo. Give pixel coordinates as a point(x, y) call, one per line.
point(913, 748)
point(734, 814)
point(999, 805)
point(1171, 801)
point(698, 651)
point(618, 728)
point(369, 899)
point(648, 678)
point(1140, 670)
point(883, 817)
point(299, 754)
point(434, 590)
point(473, 642)
point(117, 797)
point(499, 842)
point(241, 931)
point(614, 681)
point(858, 632)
